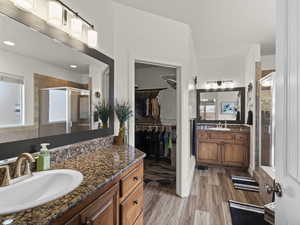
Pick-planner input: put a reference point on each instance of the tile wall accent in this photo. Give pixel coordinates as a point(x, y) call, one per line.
point(62, 153)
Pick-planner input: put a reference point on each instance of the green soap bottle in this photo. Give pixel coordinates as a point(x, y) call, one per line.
point(43, 161)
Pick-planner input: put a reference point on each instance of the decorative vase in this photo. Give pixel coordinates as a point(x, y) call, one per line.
point(105, 124)
point(119, 140)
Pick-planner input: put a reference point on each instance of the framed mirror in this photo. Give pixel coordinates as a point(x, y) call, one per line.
point(50, 85)
point(215, 105)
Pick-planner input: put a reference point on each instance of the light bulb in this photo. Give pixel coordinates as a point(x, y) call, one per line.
point(76, 27)
point(92, 38)
point(55, 13)
point(24, 4)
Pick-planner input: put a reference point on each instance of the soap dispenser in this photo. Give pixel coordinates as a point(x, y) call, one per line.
point(43, 161)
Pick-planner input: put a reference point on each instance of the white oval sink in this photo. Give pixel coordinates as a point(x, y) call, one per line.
point(219, 128)
point(39, 189)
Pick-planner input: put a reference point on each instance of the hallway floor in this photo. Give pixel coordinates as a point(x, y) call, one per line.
point(207, 204)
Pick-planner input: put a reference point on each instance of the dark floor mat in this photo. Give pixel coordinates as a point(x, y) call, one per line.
point(246, 214)
point(245, 183)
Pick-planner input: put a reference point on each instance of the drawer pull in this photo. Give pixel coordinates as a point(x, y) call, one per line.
point(89, 222)
point(136, 202)
point(136, 178)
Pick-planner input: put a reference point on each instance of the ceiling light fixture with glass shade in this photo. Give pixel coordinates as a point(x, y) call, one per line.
point(24, 4)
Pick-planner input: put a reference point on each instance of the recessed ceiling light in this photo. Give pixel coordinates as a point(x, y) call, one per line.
point(73, 66)
point(9, 43)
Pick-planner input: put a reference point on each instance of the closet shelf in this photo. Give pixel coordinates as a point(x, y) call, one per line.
point(151, 90)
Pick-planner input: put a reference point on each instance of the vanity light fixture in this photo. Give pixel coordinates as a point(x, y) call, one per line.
point(228, 84)
point(76, 27)
point(9, 43)
point(219, 84)
point(24, 4)
point(73, 66)
point(55, 13)
point(92, 36)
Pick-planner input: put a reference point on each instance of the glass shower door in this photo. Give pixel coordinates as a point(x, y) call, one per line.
point(79, 113)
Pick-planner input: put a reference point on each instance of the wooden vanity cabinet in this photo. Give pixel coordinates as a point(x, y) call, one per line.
point(103, 211)
point(223, 148)
point(120, 202)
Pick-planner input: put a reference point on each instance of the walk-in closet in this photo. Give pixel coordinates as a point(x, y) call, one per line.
point(155, 121)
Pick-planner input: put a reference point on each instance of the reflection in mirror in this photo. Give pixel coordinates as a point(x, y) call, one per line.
point(220, 105)
point(46, 88)
point(266, 126)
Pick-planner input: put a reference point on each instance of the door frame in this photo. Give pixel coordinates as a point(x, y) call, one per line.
point(131, 123)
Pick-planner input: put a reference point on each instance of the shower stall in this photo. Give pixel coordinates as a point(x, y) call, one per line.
point(64, 110)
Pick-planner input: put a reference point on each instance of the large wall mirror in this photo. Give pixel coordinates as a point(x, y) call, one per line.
point(48, 90)
point(221, 105)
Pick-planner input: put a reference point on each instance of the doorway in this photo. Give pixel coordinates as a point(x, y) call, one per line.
point(156, 121)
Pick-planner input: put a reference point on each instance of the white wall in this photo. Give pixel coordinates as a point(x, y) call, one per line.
point(139, 35)
point(227, 68)
point(25, 67)
point(151, 77)
point(268, 62)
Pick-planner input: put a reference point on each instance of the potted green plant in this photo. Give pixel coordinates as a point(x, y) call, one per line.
point(124, 112)
point(103, 109)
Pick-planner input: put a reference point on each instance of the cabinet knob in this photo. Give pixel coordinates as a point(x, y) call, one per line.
point(89, 222)
point(136, 178)
point(136, 202)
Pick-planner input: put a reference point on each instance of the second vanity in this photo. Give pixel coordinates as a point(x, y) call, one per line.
point(223, 147)
point(111, 192)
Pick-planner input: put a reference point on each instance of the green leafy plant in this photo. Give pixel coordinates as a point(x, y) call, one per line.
point(103, 109)
point(123, 111)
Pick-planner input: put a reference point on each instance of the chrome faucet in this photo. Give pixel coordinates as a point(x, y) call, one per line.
point(28, 158)
point(6, 179)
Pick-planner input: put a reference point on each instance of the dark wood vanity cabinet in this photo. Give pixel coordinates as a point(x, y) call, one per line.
point(223, 148)
point(103, 211)
point(120, 202)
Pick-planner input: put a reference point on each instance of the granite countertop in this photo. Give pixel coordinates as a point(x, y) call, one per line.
point(232, 130)
point(98, 168)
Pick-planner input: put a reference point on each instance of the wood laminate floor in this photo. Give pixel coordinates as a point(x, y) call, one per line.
point(207, 204)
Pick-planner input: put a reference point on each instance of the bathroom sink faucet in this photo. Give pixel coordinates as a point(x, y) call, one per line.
point(28, 158)
point(6, 177)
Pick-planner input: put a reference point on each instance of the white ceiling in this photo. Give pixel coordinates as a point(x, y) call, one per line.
point(220, 28)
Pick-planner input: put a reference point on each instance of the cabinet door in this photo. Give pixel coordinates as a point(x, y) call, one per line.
point(104, 210)
point(208, 153)
point(235, 155)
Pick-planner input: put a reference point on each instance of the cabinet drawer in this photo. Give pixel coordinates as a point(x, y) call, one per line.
point(131, 180)
point(241, 139)
point(221, 136)
point(202, 135)
point(133, 206)
point(140, 220)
